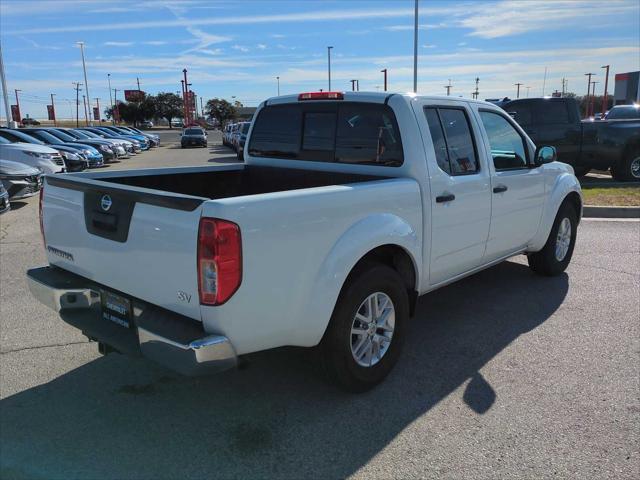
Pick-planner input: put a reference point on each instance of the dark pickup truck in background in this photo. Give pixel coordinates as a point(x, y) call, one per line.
point(603, 145)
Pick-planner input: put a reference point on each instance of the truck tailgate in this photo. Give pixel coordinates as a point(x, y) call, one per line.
point(140, 242)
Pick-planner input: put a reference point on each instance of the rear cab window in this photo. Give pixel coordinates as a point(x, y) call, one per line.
point(336, 132)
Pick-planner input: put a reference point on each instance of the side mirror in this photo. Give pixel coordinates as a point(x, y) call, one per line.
point(545, 155)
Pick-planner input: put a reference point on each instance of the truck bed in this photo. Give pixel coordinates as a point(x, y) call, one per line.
point(245, 180)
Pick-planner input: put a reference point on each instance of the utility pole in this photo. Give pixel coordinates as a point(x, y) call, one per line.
point(278, 80)
point(544, 82)
point(138, 81)
point(563, 87)
point(5, 95)
point(384, 70)
point(329, 65)
point(110, 99)
point(84, 69)
point(98, 107)
point(589, 75)
point(186, 94)
point(77, 89)
point(53, 111)
point(201, 107)
point(593, 98)
point(528, 88)
point(605, 104)
point(357, 85)
point(476, 94)
point(518, 90)
point(448, 87)
point(415, 49)
point(116, 115)
point(184, 101)
point(18, 105)
point(353, 85)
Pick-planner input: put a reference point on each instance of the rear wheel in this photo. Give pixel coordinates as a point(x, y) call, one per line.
point(629, 168)
point(554, 258)
point(365, 335)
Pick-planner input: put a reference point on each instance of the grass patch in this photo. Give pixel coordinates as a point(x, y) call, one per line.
point(609, 196)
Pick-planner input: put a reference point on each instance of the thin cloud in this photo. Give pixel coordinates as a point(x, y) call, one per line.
point(240, 48)
point(118, 44)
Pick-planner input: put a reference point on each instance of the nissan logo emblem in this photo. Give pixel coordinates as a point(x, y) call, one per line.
point(105, 203)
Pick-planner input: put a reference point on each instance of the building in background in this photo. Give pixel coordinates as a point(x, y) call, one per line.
point(627, 88)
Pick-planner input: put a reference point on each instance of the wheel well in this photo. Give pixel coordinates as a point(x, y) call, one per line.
point(631, 148)
point(574, 200)
point(397, 258)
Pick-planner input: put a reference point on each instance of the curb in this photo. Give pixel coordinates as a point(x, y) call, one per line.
point(597, 211)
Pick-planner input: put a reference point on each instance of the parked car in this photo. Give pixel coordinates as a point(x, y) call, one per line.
point(623, 112)
point(30, 121)
point(5, 205)
point(176, 122)
point(145, 143)
point(40, 156)
point(604, 145)
point(227, 134)
point(154, 140)
point(146, 124)
point(241, 139)
point(75, 157)
point(135, 147)
point(193, 137)
point(121, 147)
point(349, 207)
point(64, 137)
point(20, 180)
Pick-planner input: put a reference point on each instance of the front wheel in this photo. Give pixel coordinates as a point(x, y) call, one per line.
point(554, 258)
point(629, 168)
point(365, 335)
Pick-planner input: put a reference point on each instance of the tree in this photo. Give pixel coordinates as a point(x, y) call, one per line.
point(169, 106)
point(222, 110)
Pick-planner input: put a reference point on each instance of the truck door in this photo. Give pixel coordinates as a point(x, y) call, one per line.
point(517, 186)
point(555, 125)
point(460, 197)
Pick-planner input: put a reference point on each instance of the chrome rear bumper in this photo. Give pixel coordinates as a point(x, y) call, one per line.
point(165, 337)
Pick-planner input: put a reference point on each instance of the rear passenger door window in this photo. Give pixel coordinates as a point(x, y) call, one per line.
point(508, 147)
point(368, 134)
point(452, 140)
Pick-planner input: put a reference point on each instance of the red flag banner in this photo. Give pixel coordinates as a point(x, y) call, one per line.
point(96, 113)
point(51, 114)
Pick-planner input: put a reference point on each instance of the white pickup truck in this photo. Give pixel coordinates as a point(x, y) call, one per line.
point(348, 207)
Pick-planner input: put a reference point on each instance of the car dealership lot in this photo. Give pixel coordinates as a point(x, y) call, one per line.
point(505, 374)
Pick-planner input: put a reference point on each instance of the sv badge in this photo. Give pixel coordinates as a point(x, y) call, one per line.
point(184, 296)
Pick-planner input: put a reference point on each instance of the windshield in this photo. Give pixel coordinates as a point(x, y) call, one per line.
point(624, 113)
point(193, 131)
point(78, 134)
point(73, 133)
point(24, 137)
point(61, 135)
point(90, 134)
point(46, 137)
point(4, 140)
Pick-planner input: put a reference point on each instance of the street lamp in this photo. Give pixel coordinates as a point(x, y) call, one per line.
point(329, 65)
point(384, 70)
point(113, 121)
point(278, 80)
point(415, 50)
point(84, 69)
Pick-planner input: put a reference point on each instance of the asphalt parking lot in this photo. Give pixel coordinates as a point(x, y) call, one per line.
point(504, 375)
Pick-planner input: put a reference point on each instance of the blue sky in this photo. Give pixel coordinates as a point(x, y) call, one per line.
point(238, 48)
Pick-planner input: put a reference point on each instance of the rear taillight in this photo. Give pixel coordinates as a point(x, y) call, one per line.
point(321, 96)
point(40, 213)
point(219, 260)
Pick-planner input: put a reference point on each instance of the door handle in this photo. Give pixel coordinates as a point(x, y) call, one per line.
point(445, 198)
point(500, 189)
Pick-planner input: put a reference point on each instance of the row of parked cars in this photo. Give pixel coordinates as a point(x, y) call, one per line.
point(234, 136)
point(27, 154)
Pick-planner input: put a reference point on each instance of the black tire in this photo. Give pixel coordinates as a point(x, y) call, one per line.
point(628, 170)
point(545, 261)
point(336, 346)
point(581, 171)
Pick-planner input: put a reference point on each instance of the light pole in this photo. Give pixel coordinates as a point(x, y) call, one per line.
point(98, 107)
point(593, 97)
point(329, 65)
point(448, 87)
point(415, 50)
point(278, 80)
point(77, 89)
point(589, 75)
point(605, 104)
point(84, 69)
point(528, 88)
point(110, 99)
point(353, 85)
point(115, 101)
point(5, 95)
point(384, 70)
point(84, 105)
